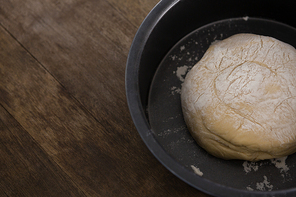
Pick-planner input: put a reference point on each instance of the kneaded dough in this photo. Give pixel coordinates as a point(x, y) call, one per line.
point(239, 100)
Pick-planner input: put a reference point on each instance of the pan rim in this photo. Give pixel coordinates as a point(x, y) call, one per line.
point(142, 124)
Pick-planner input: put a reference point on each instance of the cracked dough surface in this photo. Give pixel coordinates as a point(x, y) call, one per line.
point(239, 100)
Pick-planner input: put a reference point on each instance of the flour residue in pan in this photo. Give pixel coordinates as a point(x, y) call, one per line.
point(262, 185)
point(249, 166)
point(191, 57)
point(180, 73)
point(246, 18)
point(265, 185)
point(279, 163)
point(196, 170)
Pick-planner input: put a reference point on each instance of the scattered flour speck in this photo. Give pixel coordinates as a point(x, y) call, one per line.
point(181, 72)
point(165, 133)
point(280, 163)
point(249, 166)
point(175, 90)
point(173, 57)
point(250, 189)
point(182, 48)
point(264, 185)
point(196, 170)
point(246, 18)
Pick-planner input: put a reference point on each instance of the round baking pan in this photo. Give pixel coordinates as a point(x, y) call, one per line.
point(172, 38)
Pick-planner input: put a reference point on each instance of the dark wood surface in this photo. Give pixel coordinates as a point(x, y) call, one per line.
point(65, 128)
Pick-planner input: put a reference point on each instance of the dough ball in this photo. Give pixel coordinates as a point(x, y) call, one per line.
point(239, 100)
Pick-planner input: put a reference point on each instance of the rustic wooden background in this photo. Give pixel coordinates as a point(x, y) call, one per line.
point(65, 128)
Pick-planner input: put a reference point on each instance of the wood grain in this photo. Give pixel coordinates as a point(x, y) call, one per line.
point(65, 125)
point(26, 169)
point(134, 10)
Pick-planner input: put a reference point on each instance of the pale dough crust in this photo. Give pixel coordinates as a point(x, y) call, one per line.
point(239, 100)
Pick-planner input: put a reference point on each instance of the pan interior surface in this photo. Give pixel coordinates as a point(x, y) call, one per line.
point(170, 131)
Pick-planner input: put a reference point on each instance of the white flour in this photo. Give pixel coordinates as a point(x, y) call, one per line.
point(249, 166)
point(246, 18)
point(264, 185)
point(250, 189)
point(279, 163)
point(181, 72)
point(196, 170)
point(175, 90)
point(182, 48)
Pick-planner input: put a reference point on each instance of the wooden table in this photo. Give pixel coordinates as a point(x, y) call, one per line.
point(65, 128)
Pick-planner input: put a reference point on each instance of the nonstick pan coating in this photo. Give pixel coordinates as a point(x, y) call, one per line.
point(169, 42)
point(169, 128)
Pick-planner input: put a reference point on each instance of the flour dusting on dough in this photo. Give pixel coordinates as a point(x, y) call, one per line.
point(215, 42)
point(248, 82)
point(262, 186)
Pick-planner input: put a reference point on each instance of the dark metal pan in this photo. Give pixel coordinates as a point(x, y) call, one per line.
point(173, 37)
